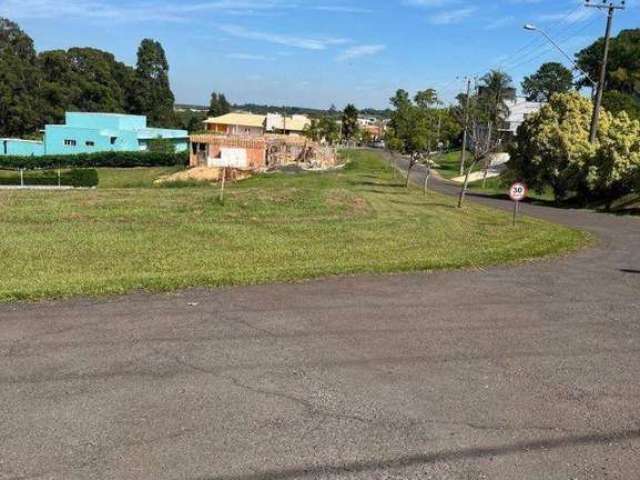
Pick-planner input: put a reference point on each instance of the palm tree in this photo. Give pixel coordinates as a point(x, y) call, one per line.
point(495, 89)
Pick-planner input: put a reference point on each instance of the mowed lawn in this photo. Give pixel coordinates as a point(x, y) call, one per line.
point(274, 227)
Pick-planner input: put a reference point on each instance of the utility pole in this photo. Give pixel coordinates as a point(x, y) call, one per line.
point(611, 7)
point(463, 157)
point(284, 120)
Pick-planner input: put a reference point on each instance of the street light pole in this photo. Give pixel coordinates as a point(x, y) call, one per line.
point(533, 28)
point(595, 121)
point(598, 86)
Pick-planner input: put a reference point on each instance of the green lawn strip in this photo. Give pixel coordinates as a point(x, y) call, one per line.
point(132, 177)
point(449, 163)
point(142, 177)
point(274, 227)
point(497, 187)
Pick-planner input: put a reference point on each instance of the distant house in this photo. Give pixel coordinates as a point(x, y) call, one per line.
point(374, 126)
point(280, 124)
point(237, 124)
point(95, 132)
point(519, 110)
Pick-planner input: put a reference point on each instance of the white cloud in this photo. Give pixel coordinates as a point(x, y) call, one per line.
point(247, 56)
point(307, 43)
point(340, 9)
point(500, 22)
point(447, 17)
point(574, 16)
point(358, 51)
point(142, 11)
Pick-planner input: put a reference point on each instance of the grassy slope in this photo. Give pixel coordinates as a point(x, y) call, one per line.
point(449, 164)
point(274, 227)
point(132, 177)
point(108, 177)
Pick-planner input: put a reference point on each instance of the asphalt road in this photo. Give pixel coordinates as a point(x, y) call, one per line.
point(508, 373)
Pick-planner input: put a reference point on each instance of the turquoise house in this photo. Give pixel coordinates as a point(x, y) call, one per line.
point(95, 132)
point(20, 148)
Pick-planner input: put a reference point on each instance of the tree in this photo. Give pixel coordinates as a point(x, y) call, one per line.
point(324, 129)
point(152, 93)
point(615, 102)
point(408, 130)
point(19, 81)
point(83, 79)
point(551, 78)
point(218, 105)
point(552, 149)
point(623, 71)
point(488, 110)
point(496, 87)
point(623, 68)
point(349, 122)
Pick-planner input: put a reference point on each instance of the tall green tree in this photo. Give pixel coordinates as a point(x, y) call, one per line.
point(551, 78)
point(349, 122)
point(408, 129)
point(623, 71)
point(83, 79)
point(427, 102)
point(152, 95)
point(19, 81)
point(218, 105)
point(496, 87)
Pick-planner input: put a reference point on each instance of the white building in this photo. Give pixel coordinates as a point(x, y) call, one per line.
point(295, 124)
point(519, 110)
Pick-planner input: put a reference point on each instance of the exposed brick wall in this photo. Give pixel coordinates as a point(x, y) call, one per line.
point(255, 148)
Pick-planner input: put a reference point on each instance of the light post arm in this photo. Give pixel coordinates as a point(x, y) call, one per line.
point(568, 57)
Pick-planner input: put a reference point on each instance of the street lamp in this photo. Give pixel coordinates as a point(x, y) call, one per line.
point(532, 28)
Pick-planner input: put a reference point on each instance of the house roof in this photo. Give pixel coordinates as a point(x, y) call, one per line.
point(242, 119)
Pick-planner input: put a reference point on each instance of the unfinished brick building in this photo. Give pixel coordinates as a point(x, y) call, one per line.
point(263, 153)
point(206, 148)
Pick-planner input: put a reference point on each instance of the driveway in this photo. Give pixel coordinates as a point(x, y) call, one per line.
point(530, 372)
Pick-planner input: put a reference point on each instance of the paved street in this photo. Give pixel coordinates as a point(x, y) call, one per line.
point(530, 372)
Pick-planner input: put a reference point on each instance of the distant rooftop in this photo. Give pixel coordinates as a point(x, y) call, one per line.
point(242, 119)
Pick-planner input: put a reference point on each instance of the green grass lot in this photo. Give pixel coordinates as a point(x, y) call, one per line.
point(449, 167)
point(132, 177)
point(449, 163)
point(273, 227)
point(108, 177)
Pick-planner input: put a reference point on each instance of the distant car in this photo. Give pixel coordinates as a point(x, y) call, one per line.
point(379, 144)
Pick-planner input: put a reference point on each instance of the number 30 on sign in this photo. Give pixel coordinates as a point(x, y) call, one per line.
point(518, 192)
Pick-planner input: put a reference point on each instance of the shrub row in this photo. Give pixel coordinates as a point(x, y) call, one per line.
point(77, 177)
point(95, 160)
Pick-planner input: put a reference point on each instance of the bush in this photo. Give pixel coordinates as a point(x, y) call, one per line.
point(161, 145)
point(100, 159)
point(552, 149)
point(84, 177)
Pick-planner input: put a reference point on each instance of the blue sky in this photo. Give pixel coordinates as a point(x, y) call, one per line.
point(318, 52)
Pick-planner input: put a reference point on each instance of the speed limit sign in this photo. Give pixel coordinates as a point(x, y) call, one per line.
point(518, 192)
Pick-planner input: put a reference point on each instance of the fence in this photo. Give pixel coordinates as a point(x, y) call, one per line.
point(48, 178)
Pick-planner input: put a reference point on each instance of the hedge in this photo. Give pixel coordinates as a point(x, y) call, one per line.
point(77, 177)
point(100, 159)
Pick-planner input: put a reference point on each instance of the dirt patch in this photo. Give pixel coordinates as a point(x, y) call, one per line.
point(202, 174)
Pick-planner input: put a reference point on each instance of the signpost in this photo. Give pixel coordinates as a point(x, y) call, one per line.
point(229, 158)
point(517, 192)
